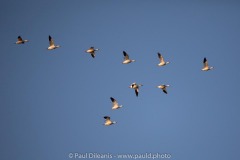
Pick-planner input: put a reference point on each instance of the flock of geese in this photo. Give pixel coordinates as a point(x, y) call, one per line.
point(126, 60)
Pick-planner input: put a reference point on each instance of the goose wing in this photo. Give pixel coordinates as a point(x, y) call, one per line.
point(160, 57)
point(205, 62)
point(136, 92)
point(106, 117)
point(164, 90)
point(20, 38)
point(93, 54)
point(51, 42)
point(114, 102)
point(126, 57)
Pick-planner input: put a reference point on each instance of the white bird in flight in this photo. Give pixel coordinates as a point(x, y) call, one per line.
point(162, 62)
point(51, 44)
point(163, 87)
point(20, 40)
point(92, 50)
point(108, 121)
point(115, 104)
point(126, 58)
point(135, 86)
point(205, 65)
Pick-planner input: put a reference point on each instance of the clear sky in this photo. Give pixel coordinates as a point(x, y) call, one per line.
point(52, 103)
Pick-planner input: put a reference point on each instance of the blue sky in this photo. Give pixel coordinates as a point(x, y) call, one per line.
point(53, 102)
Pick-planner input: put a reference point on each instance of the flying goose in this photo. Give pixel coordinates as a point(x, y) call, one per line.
point(162, 62)
point(51, 44)
point(205, 65)
point(163, 87)
point(135, 86)
point(115, 103)
point(92, 50)
point(126, 58)
point(20, 40)
point(108, 122)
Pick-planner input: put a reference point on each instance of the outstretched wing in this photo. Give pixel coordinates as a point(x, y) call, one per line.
point(93, 54)
point(136, 92)
point(165, 90)
point(112, 99)
point(126, 57)
point(106, 117)
point(160, 57)
point(205, 62)
point(114, 102)
point(20, 38)
point(51, 42)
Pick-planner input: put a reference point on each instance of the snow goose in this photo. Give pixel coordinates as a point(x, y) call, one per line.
point(115, 103)
point(135, 86)
point(126, 58)
point(20, 40)
point(51, 44)
point(92, 50)
point(108, 122)
point(163, 87)
point(162, 62)
point(205, 65)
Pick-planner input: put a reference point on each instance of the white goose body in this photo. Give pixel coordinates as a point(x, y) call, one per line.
point(161, 59)
point(115, 104)
point(135, 86)
point(126, 58)
point(205, 65)
point(108, 121)
point(20, 40)
point(51, 44)
point(91, 51)
point(163, 87)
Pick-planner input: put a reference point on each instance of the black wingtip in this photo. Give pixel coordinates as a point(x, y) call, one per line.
point(136, 92)
point(204, 59)
point(106, 117)
point(112, 99)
